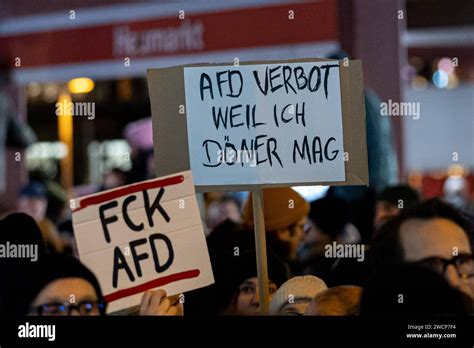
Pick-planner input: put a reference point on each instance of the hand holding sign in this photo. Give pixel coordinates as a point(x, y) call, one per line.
point(156, 303)
point(143, 236)
point(261, 124)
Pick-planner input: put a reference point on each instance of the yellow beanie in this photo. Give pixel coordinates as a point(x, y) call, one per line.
point(282, 207)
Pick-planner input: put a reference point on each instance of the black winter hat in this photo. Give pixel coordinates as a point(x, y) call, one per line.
point(18, 275)
point(58, 266)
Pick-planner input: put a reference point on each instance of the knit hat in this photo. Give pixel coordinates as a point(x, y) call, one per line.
point(299, 288)
point(17, 274)
point(59, 266)
point(282, 207)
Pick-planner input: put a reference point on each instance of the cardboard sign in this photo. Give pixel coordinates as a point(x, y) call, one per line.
point(143, 236)
point(266, 124)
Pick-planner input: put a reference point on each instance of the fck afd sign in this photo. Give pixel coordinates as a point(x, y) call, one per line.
point(143, 236)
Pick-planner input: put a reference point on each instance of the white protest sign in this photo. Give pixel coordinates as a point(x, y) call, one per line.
point(265, 123)
point(143, 236)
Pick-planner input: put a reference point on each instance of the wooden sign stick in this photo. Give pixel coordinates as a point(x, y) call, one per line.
point(261, 250)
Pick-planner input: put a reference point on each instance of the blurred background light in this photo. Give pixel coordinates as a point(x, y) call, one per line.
point(417, 62)
point(34, 90)
point(46, 150)
point(419, 82)
point(408, 73)
point(453, 81)
point(310, 193)
point(440, 78)
point(446, 64)
point(80, 85)
point(456, 169)
point(50, 92)
point(415, 179)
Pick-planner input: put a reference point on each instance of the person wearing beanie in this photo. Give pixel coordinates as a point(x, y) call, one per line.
point(295, 295)
point(285, 213)
point(33, 200)
point(241, 282)
point(66, 287)
point(19, 233)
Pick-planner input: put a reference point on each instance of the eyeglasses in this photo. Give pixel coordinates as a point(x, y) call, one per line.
point(63, 309)
point(463, 263)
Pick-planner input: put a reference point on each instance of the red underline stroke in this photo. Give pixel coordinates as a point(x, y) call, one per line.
point(194, 273)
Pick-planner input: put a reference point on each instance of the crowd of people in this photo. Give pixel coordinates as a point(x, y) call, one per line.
point(355, 251)
point(417, 258)
point(385, 252)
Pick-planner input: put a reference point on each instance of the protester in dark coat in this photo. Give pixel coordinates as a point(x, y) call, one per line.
point(410, 289)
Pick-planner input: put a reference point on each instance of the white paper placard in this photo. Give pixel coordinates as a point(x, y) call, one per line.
point(265, 123)
point(143, 236)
